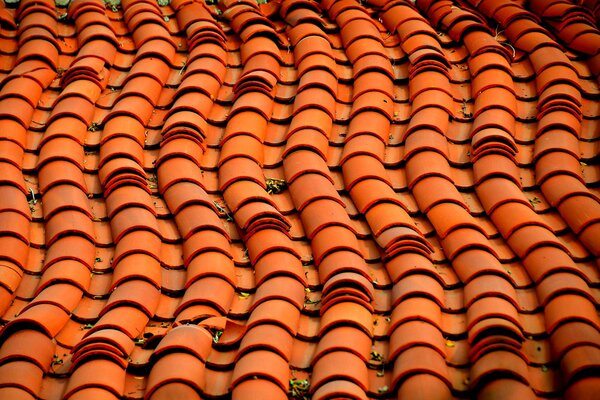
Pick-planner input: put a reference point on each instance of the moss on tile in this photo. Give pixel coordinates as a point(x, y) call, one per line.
point(299, 389)
point(114, 5)
point(275, 186)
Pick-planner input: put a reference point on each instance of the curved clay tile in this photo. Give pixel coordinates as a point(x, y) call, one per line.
point(299, 199)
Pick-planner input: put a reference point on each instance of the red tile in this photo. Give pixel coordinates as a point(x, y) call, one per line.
point(241, 172)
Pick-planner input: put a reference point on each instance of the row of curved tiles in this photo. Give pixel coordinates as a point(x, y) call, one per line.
point(299, 200)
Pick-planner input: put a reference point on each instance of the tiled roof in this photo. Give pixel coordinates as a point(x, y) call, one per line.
point(344, 199)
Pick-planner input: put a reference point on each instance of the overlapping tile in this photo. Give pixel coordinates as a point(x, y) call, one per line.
point(299, 199)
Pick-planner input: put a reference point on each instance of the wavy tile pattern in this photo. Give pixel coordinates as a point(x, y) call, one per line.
point(243, 199)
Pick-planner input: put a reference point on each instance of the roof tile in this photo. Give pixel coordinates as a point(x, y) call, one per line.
point(330, 199)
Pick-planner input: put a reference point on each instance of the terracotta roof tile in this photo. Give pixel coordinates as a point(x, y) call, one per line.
point(299, 199)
